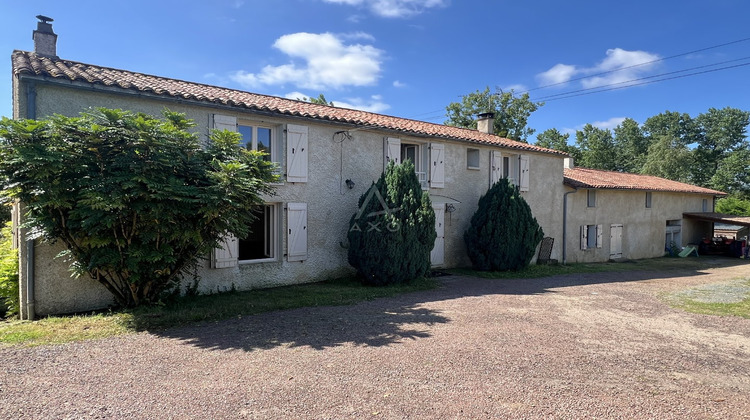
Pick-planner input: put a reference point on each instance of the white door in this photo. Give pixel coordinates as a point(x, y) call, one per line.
point(437, 255)
point(615, 241)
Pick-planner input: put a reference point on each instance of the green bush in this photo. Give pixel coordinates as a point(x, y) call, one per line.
point(393, 232)
point(503, 234)
point(9, 298)
point(138, 201)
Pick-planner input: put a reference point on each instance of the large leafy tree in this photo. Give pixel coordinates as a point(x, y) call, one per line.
point(631, 144)
point(511, 112)
point(553, 139)
point(597, 148)
point(668, 158)
point(393, 231)
point(137, 200)
point(722, 133)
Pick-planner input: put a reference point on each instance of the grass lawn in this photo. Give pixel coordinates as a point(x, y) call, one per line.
point(196, 309)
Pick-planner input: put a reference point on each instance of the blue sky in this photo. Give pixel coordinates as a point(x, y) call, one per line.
point(411, 58)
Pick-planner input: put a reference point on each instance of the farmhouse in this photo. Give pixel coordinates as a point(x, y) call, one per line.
point(328, 157)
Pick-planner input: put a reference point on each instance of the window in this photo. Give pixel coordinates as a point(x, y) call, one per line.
point(508, 169)
point(705, 204)
point(417, 153)
point(260, 243)
point(472, 158)
point(648, 199)
point(591, 236)
point(590, 198)
point(259, 138)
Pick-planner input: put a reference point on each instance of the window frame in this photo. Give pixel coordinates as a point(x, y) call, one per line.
point(422, 166)
point(473, 155)
point(591, 198)
point(273, 138)
point(271, 236)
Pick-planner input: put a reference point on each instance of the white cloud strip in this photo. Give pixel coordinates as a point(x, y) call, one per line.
point(394, 8)
point(373, 104)
point(319, 61)
point(618, 67)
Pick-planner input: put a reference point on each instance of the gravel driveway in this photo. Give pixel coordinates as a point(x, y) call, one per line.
point(580, 346)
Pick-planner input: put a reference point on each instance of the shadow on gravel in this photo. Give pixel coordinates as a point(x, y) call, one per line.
point(385, 321)
point(377, 323)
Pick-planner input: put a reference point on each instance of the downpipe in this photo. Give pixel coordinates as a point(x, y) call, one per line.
point(565, 225)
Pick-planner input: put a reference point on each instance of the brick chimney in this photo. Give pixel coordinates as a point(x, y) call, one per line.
point(486, 122)
point(45, 39)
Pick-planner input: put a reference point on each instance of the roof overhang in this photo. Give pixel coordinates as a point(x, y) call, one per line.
point(719, 218)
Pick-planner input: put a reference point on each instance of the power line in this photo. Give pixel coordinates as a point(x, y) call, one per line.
point(587, 92)
point(638, 65)
point(652, 81)
point(629, 82)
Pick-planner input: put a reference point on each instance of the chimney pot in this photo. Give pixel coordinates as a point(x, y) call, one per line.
point(45, 39)
point(486, 122)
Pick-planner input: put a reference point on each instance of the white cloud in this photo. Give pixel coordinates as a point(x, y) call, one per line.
point(394, 8)
point(515, 88)
point(610, 124)
point(318, 61)
point(618, 67)
point(559, 73)
point(296, 95)
point(373, 104)
point(398, 84)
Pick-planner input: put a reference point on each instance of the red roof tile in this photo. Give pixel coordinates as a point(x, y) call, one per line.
point(32, 64)
point(595, 178)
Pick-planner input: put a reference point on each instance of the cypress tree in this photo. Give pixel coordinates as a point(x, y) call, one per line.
point(393, 231)
point(503, 234)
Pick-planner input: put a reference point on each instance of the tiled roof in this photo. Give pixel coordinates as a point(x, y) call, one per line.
point(729, 219)
point(595, 178)
point(32, 64)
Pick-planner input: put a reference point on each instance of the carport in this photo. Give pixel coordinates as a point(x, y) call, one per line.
point(717, 245)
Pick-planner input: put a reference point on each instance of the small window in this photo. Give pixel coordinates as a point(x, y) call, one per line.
point(472, 158)
point(417, 153)
point(591, 236)
point(259, 138)
point(260, 243)
point(591, 198)
point(648, 199)
point(510, 169)
point(705, 204)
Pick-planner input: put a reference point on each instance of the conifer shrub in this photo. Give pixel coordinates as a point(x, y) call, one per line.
point(503, 234)
point(393, 231)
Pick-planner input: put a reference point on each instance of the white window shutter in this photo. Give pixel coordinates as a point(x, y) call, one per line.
point(437, 165)
point(524, 181)
point(392, 151)
point(496, 167)
point(599, 231)
point(225, 122)
point(584, 236)
point(296, 218)
point(296, 153)
point(227, 254)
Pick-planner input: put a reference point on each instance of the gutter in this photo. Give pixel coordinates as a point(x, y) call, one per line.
point(565, 224)
point(29, 312)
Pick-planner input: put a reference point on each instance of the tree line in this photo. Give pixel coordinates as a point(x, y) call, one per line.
point(709, 150)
